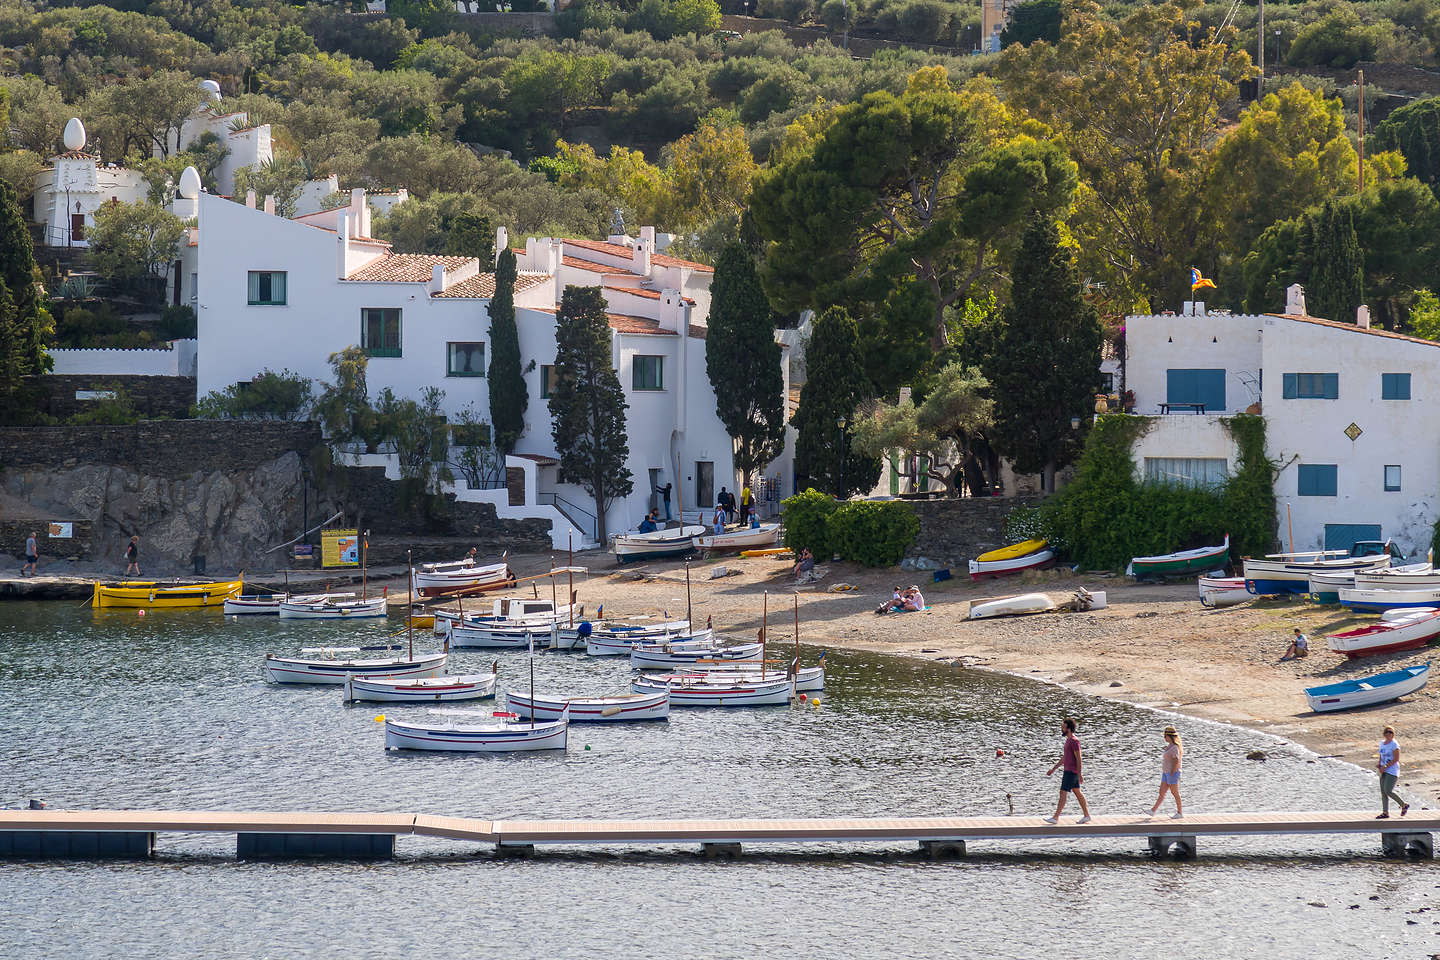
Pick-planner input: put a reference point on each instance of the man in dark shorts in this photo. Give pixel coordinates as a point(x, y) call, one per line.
point(132, 557)
point(32, 555)
point(1073, 777)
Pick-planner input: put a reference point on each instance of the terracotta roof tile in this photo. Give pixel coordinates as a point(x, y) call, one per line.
point(624, 323)
point(75, 155)
point(482, 286)
point(699, 331)
point(405, 268)
point(665, 260)
point(656, 259)
point(647, 294)
point(592, 266)
point(1339, 325)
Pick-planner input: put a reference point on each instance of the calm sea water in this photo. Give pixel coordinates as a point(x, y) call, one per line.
point(108, 709)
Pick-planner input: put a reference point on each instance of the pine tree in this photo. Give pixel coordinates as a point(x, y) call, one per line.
point(1042, 357)
point(748, 382)
point(835, 387)
point(1337, 276)
point(587, 405)
point(508, 394)
point(28, 326)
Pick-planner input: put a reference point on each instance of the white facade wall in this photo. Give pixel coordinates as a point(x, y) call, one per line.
point(1189, 436)
point(1159, 343)
point(177, 360)
point(79, 185)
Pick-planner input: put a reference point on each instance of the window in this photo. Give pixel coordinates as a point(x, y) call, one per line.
point(647, 373)
point(1107, 383)
point(1187, 471)
point(267, 288)
point(1392, 477)
point(547, 381)
point(380, 331)
point(1196, 386)
point(1394, 386)
point(1317, 479)
point(1310, 386)
point(465, 360)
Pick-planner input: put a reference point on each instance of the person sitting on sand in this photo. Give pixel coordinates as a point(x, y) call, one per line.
point(651, 522)
point(914, 601)
point(1299, 648)
point(896, 602)
point(806, 563)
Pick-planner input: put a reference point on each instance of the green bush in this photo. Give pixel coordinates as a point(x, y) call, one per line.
point(113, 411)
point(1338, 39)
point(873, 533)
point(270, 396)
point(924, 21)
point(177, 323)
point(805, 516)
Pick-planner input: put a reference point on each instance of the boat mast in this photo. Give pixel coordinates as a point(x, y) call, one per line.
point(795, 674)
point(570, 575)
point(764, 622)
point(552, 586)
point(365, 565)
point(689, 620)
point(410, 614)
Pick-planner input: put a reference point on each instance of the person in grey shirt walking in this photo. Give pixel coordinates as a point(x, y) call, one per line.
point(1389, 767)
point(32, 555)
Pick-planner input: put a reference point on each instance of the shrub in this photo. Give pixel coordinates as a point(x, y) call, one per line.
point(270, 396)
point(112, 411)
point(177, 322)
point(1338, 39)
point(795, 11)
point(874, 533)
point(805, 516)
point(924, 21)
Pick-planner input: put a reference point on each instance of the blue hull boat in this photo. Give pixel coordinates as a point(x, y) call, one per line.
point(1368, 691)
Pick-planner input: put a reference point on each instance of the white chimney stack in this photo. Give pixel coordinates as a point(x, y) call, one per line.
point(648, 235)
point(640, 254)
point(270, 204)
point(502, 241)
point(342, 243)
point(250, 199)
point(437, 279)
point(1362, 317)
point(1295, 301)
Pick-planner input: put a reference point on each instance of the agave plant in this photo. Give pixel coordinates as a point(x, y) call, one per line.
point(77, 287)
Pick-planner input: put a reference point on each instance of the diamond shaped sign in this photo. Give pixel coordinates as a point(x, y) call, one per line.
point(1353, 432)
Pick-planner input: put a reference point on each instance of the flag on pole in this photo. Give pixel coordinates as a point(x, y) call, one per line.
point(1198, 281)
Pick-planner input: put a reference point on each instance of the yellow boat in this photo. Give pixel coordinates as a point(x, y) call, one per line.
point(1012, 552)
point(149, 593)
point(767, 552)
point(422, 621)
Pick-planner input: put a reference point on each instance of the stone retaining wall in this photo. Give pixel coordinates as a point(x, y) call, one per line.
point(15, 530)
point(161, 448)
point(155, 396)
point(954, 531)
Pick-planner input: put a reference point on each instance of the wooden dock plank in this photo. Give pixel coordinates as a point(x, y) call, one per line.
point(206, 821)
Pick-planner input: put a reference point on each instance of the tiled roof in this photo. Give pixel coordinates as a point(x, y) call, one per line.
point(590, 265)
point(1338, 325)
point(624, 323)
point(75, 155)
point(699, 331)
point(539, 458)
point(482, 286)
point(665, 260)
point(647, 294)
point(405, 268)
point(656, 259)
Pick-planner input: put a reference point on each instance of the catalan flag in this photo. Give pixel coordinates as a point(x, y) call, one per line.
point(1198, 281)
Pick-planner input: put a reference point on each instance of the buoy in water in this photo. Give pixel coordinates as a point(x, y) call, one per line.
point(999, 752)
point(587, 746)
point(814, 701)
point(139, 613)
point(380, 718)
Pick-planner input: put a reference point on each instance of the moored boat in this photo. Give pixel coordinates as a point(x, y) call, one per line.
point(1180, 563)
point(1412, 576)
point(1404, 629)
point(331, 608)
point(667, 656)
point(475, 686)
point(1222, 591)
point(1368, 691)
point(621, 645)
point(437, 579)
point(158, 594)
point(268, 604)
point(498, 635)
point(1325, 586)
point(502, 734)
point(1381, 600)
point(701, 691)
point(528, 609)
point(1037, 560)
point(574, 636)
point(1281, 573)
point(616, 709)
point(1010, 606)
point(807, 680)
point(671, 542)
point(334, 664)
point(745, 538)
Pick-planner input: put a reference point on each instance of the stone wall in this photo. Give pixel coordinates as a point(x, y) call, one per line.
point(163, 448)
point(151, 396)
point(15, 530)
point(954, 531)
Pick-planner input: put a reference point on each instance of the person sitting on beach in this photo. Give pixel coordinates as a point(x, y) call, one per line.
point(806, 563)
point(896, 602)
point(1299, 648)
point(649, 525)
point(914, 601)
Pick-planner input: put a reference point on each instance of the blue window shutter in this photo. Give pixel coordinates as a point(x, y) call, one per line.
point(1317, 480)
point(1210, 389)
point(1331, 389)
point(1288, 389)
point(1395, 386)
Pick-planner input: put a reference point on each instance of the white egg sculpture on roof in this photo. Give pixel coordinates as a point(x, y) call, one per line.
point(74, 134)
point(211, 88)
point(190, 184)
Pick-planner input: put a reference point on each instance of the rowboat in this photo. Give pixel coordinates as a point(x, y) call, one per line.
point(1016, 550)
point(152, 593)
point(1380, 600)
point(621, 645)
point(672, 542)
point(503, 734)
point(746, 538)
point(1413, 576)
point(1403, 629)
point(999, 568)
point(1223, 591)
point(698, 691)
point(1010, 606)
point(574, 637)
point(768, 552)
point(498, 635)
point(1368, 691)
point(1281, 573)
point(632, 706)
point(808, 679)
point(1325, 586)
point(268, 604)
point(332, 608)
point(666, 656)
point(435, 579)
point(474, 686)
point(1180, 563)
point(334, 664)
point(532, 610)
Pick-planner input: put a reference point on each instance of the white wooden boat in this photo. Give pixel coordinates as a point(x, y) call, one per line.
point(530, 610)
point(333, 609)
point(1325, 585)
point(268, 604)
point(1281, 573)
point(622, 645)
point(498, 635)
point(1411, 576)
point(1180, 563)
point(436, 579)
point(572, 637)
point(474, 686)
point(979, 569)
point(667, 656)
point(633, 706)
point(745, 538)
point(1375, 601)
point(501, 734)
point(699, 691)
point(1223, 591)
point(671, 542)
point(808, 680)
point(1403, 629)
point(334, 664)
point(1368, 691)
point(1010, 606)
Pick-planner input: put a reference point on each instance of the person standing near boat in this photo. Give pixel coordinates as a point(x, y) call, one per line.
point(1389, 767)
point(1170, 773)
point(132, 557)
point(32, 555)
point(1073, 777)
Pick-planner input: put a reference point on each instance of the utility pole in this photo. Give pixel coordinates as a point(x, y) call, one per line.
point(1260, 52)
point(1361, 83)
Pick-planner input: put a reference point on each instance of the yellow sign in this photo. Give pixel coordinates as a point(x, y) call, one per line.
point(339, 548)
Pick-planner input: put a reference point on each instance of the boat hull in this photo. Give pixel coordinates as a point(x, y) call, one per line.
point(736, 694)
point(746, 539)
point(498, 637)
point(1378, 601)
point(1013, 552)
point(1367, 692)
point(301, 670)
point(647, 658)
point(637, 706)
point(622, 646)
point(810, 679)
point(451, 578)
point(480, 738)
point(1222, 591)
point(342, 610)
point(420, 689)
point(979, 569)
point(153, 595)
point(570, 638)
point(1010, 606)
point(1268, 577)
point(661, 543)
point(1181, 563)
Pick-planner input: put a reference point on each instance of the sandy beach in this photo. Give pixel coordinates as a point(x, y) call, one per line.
point(1154, 645)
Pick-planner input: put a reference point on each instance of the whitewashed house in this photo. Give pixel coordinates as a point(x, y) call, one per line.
point(286, 294)
point(1349, 416)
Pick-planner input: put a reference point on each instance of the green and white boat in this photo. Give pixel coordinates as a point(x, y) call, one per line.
point(1199, 560)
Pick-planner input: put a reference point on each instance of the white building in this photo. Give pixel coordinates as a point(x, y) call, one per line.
point(1347, 410)
point(286, 294)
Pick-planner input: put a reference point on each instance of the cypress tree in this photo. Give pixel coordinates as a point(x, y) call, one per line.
point(835, 387)
point(587, 406)
point(748, 381)
point(31, 324)
point(508, 395)
point(1337, 276)
point(1042, 357)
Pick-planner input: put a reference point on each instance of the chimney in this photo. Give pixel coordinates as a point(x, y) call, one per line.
point(342, 243)
point(554, 256)
point(1199, 310)
point(648, 235)
point(1362, 317)
point(270, 204)
point(502, 241)
point(359, 227)
point(1295, 301)
point(437, 279)
point(250, 199)
point(640, 255)
point(672, 311)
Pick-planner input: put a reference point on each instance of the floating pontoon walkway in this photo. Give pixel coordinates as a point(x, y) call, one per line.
point(131, 833)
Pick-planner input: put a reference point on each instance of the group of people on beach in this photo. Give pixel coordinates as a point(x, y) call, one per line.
point(909, 599)
point(31, 567)
point(1072, 779)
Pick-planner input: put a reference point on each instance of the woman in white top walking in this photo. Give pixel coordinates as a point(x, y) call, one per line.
point(1170, 773)
point(1389, 767)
